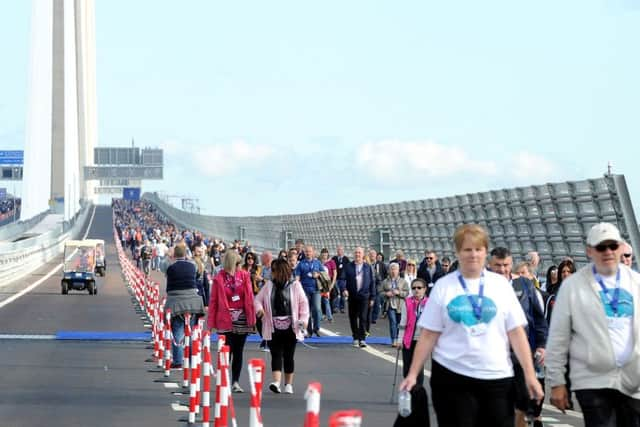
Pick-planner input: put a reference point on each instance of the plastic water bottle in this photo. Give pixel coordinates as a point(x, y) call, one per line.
point(404, 403)
point(537, 365)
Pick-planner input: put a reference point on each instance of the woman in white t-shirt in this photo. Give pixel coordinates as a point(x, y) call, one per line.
point(470, 321)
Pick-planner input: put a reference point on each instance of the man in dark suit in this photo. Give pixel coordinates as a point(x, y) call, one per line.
point(430, 270)
point(341, 261)
point(361, 291)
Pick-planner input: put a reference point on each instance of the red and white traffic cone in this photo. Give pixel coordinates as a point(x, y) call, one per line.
point(347, 418)
point(186, 350)
point(222, 407)
point(167, 343)
point(194, 374)
point(256, 379)
point(312, 395)
point(232, 411)
point(206, 379)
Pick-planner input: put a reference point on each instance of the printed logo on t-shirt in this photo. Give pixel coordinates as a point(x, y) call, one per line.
point(461, 311)
point(625, 304)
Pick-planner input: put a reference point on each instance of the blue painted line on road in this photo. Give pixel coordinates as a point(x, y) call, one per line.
point(146, 336)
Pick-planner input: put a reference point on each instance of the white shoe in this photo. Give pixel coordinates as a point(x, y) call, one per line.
point(288, 389)
point(274, 387)
point(235, 388)
point(356, 343)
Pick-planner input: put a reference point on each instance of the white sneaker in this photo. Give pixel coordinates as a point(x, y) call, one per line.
point(288, 389)
point(235, 388)
point(356, 343)
point(275, 387)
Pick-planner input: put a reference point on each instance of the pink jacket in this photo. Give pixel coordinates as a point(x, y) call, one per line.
point(409, 321)
point(219, 316)
point(299, 309)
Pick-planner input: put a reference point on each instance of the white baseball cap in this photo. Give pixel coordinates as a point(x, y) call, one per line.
point(603, 232)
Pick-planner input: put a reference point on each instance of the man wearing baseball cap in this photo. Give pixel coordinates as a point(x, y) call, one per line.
point(595, 327)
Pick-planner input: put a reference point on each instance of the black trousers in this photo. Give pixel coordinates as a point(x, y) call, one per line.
point(407, 357)
point(461, 401)
point(608, 408)
point(358, 313)
point(283, 348)
point(236, 348)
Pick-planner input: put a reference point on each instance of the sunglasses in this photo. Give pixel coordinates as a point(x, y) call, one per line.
point(627, 255)
point(417, 287)
point(429, 257)
point(602, 247)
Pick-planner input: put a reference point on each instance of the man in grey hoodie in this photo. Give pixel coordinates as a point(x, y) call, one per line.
point(595, 326)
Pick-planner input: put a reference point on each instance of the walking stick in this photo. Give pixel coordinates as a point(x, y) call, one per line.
point(395, 375)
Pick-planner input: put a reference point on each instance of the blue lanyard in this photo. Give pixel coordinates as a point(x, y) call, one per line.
point(477, 306)
point(613, 301)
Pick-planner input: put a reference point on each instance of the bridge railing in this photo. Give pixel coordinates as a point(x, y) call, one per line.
point(18, 259)
point(15, 229)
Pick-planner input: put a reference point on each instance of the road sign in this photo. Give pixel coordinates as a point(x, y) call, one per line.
point(131, 172)
point(131, 193)
point(11, 157)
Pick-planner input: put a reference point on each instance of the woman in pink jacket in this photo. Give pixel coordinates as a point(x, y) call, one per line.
point(231, 311)
point(284, 309)
point(409, 332)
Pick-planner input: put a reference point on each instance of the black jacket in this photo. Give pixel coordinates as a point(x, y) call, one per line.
point(423, 273)
point(340, 266)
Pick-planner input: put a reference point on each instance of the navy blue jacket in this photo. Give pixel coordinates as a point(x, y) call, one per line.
point(537, 328)
point(368, 289)
point(181, 275)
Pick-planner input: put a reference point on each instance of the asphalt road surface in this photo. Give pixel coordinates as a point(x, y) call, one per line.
point(53, 382)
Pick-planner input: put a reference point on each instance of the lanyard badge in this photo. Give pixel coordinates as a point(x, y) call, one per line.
point(477, 306)
point(613, 301)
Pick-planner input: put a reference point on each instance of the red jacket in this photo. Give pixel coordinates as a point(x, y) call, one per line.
point(219, 316)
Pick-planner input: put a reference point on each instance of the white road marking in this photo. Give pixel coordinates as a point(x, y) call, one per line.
point(26, 337)
point(179, 408)
point(329, 333)
point(171, 385)
point(549, 420)
point(49, 274)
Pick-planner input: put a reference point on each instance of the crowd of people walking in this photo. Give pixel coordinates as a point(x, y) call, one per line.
point(494, 331)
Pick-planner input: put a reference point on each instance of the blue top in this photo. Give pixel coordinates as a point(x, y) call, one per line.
point(305, 269)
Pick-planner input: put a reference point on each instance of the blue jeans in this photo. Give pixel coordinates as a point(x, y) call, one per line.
point(313, 296)
point(177, 329)
point(327, 307)
point(377, 306)
point(394, 319)
point(339, 305)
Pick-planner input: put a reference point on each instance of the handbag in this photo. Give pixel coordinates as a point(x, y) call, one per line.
point(323, 282)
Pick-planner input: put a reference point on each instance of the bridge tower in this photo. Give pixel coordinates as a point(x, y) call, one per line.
point(61, 129)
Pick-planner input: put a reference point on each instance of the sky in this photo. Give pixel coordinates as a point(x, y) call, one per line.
point(289, 107)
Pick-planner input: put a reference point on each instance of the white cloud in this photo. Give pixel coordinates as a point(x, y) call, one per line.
point(528, 166)
point(220, 159)
point(392, 160)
